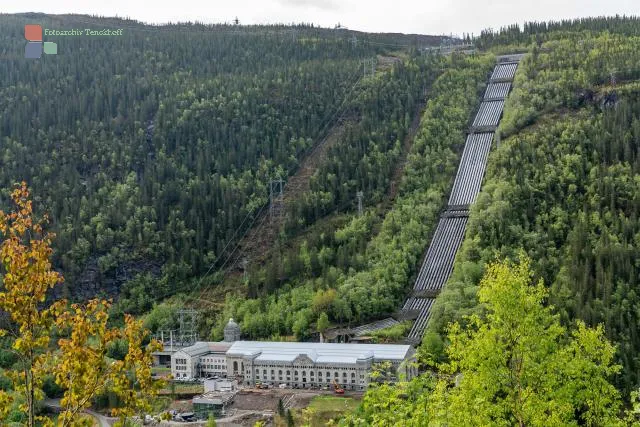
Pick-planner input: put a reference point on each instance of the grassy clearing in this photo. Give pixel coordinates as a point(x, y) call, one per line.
point(324, 408)
point(161, 371)
point(180, 388)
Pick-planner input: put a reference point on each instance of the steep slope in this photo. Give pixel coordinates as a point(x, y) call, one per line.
point(439, 258)
point(564, 187)
point(149, 150)
point(352, 273)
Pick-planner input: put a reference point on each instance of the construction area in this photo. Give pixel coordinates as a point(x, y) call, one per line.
point(251, 405)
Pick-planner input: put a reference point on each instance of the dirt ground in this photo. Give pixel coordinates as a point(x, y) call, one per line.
point(261, 400)
point(251, 405)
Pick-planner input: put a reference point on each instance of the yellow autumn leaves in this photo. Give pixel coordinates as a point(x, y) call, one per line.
point(79, 362)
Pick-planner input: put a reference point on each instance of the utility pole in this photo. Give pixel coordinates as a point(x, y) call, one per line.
point(276, 198)
point(245, 275)
point(359, 196)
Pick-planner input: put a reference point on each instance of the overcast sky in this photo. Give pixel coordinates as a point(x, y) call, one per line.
point(407, 16)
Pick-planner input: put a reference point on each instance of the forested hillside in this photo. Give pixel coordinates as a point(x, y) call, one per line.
point(152, 154)
point(561, 201)
point(564, 186)
point(149, 150)
point(361, 270)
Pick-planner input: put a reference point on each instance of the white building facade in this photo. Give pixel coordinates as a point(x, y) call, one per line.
point(201, 360)
point(295, 364)
point(315, 365)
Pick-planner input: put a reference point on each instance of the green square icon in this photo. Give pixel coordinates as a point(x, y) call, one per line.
point(50, 48)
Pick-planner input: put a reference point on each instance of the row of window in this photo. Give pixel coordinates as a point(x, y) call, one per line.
point(312, 367)
point(304, 380)
point(304, 373)
point(216, 367)
point(181, 368)
point(181, 361)
point(212, 360)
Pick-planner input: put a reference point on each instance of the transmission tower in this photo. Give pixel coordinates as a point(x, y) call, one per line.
point(188, 319)
point(359, 196)
point(354, 41)
point(276, 198)
point(369, 66)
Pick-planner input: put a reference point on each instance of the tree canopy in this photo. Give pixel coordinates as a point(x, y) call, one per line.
point(513, 365)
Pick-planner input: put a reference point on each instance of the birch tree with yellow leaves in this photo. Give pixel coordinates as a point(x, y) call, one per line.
point(27, 275)
point(82, 368)
point(79, 362)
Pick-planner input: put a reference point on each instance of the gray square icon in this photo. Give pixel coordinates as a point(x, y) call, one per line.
point(33, 50)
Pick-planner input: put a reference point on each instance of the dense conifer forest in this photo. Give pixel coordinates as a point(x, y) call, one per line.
point(149, 150)
point(564, 185)
point(152, 154)
point(560, 197)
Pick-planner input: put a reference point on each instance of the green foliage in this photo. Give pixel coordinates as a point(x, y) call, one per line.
point(403, 404)
point(546, 81)
point(117, 349)
point(290, 421)
point(162, 316)
point(566, 190)
point(375, 287)
point(323, 322)
point(514, 35)
point(392, 334)
point(50, 388)
point(7, 357)
point(211, 422)
point(161, 143)
point(280, 408)
point(516, 365)
point(365, 157)
point(6, 384)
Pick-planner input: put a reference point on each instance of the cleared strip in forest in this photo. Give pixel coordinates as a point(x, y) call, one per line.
point(257, 240)
point(406, 148)
point(438, 261)
point(260, 238)
point(259, 235)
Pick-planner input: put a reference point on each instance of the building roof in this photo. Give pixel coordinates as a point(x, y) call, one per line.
point(203, 347)
point(232, 324)
point(362, 329)
point(214, 398)
point(318, 352)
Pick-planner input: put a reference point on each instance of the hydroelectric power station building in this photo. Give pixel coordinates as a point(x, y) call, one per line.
point(294, 364)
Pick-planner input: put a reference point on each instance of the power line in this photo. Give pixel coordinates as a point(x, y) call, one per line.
point(309, 151)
